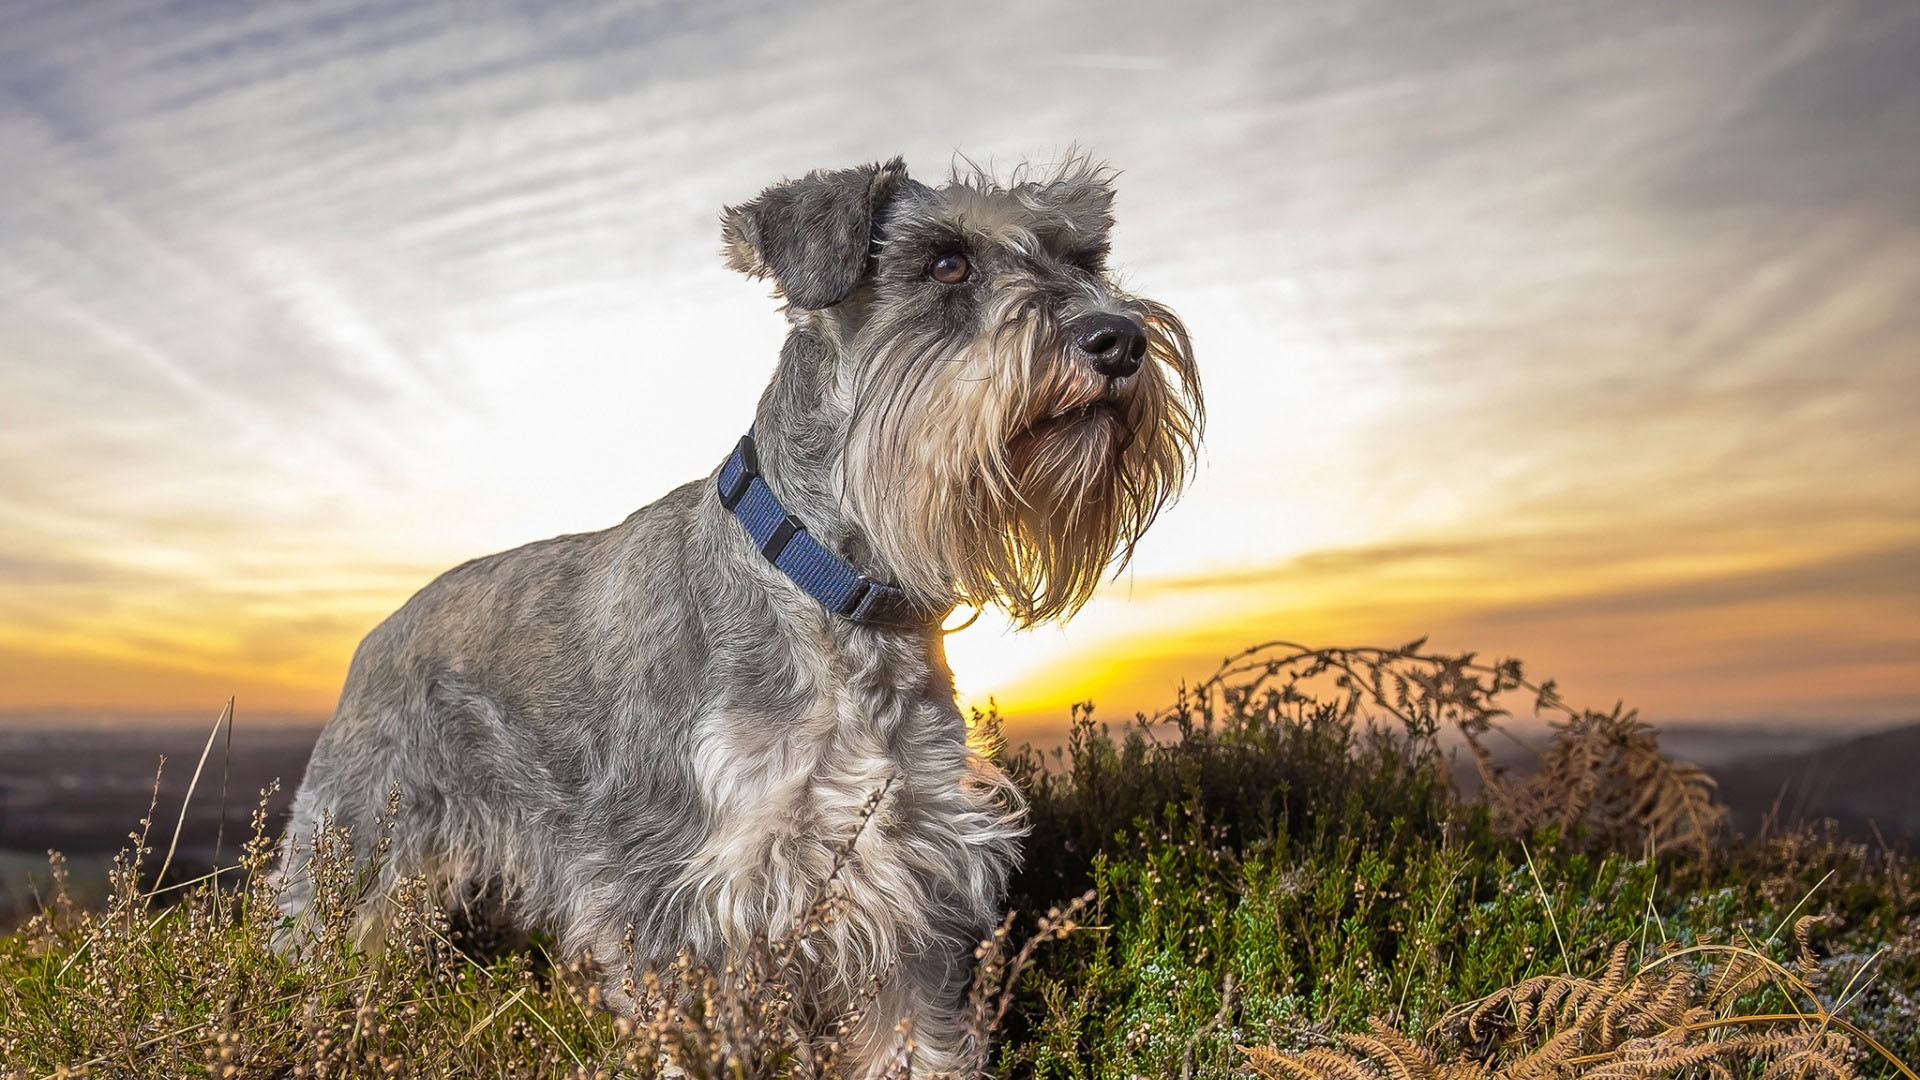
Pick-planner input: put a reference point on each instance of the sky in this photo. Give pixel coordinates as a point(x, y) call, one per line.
point(1584, 333)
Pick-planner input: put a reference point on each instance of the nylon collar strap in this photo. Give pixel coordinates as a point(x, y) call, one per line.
point(788, 545)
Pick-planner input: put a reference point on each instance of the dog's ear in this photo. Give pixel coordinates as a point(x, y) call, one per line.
point(812, 236)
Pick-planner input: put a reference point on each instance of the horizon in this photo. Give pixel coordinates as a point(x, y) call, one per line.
point(1583, 336)
point(176, 722)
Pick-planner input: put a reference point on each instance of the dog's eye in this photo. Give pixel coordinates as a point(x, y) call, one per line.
point(950, 269)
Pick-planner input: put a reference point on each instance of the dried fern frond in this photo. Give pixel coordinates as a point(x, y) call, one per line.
point(1660, 1018)
point(1384, 1052)
point(1605, 772)
point(1805, 964)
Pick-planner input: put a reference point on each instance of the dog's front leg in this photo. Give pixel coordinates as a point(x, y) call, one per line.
point(915, 1025)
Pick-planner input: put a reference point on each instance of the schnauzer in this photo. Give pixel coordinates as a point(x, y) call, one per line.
point(676, 733)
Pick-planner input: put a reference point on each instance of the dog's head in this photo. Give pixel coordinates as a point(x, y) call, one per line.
point(1007, 419)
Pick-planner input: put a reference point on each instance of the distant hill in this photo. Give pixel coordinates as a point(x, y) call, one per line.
point(1865, 782)
point(80, 788)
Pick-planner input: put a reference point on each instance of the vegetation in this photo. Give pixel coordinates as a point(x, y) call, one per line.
point(1274, 877)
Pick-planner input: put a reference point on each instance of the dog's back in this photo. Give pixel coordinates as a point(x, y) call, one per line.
point(468, 703)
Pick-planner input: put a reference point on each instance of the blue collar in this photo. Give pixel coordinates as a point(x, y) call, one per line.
point(788, 545)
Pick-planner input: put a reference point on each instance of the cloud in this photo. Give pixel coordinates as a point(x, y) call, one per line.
point(1885, 578)
point(1827, 123)
point(21, 571)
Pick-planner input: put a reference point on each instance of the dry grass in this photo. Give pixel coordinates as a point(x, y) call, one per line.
point(186, 982)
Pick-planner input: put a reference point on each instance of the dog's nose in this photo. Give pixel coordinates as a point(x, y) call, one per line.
point(1111, 344)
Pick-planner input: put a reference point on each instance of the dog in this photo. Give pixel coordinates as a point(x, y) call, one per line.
point(670, 735)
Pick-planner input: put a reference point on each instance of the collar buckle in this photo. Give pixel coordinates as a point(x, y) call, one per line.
point(730, 495)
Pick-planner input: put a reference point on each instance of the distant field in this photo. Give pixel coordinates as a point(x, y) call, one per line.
point(80, 790)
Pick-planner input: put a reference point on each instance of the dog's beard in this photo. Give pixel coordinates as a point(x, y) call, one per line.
point(1003, 472)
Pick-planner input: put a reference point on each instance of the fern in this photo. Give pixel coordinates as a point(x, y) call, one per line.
point(1663, 1018)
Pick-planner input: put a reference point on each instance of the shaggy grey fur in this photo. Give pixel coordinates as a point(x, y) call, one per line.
point(651, 731)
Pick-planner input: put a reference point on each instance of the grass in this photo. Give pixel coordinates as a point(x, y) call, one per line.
point(1273, 877)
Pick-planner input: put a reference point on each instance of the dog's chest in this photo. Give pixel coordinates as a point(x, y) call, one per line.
point(866, 794)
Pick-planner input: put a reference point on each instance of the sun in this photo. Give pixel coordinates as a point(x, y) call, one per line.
point(991, 658)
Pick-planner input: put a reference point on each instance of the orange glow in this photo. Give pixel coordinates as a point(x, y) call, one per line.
point(1684, 637)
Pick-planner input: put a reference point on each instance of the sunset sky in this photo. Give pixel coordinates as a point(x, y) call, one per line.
point(1587, 333)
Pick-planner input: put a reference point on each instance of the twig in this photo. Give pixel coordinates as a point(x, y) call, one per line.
point(1566, 961)
point(1227, 987)
point(187, 800)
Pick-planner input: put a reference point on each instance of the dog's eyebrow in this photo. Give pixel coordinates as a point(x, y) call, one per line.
point(925, 237)
point(980, 234)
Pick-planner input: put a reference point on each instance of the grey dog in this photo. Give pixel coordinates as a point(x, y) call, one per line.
point(666, 736)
